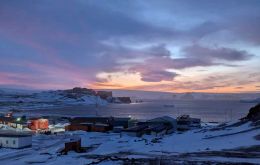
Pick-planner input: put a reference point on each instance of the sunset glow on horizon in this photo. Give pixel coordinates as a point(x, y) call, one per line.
point(170, 46)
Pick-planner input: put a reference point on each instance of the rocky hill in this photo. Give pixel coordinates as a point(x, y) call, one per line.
point(254, 113)
point(35, 100)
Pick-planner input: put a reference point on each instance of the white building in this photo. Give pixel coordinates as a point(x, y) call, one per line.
point(15, 139)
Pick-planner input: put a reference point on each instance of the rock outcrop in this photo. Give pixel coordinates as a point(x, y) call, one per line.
point(126, 100)
point(254, 113)
point(105, 94)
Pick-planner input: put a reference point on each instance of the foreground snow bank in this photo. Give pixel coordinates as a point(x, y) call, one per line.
point(101, 145)
point(190, 141)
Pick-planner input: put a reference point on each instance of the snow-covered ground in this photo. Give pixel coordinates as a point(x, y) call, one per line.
point(118, 148)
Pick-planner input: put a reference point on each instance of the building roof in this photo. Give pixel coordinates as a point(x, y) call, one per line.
point(13, 120)
point(32, 119)
point(122, 119)
point(13, 134)
point(136, 128)
point(101, 125)
point(91, 120)
point(163, 119)
point(6, 119)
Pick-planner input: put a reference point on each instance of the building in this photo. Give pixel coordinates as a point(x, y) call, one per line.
point(73, 145)
point(169, 123)
point(185, 122)
point(77, 127)
point(136, 131)
point(9, 114)
point(93, 120)
point(13, 139)
point(90, 127)
point(19, 122)
point(95, 124)
point(6, 120)
point(133, 122)
point(58, 128)
point(118, 129)
point(39, 124)
point(121, 122)
point(157, 130)
point(157, 127)
point(100, 128)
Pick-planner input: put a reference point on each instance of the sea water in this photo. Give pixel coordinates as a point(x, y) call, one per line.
point(207, 110)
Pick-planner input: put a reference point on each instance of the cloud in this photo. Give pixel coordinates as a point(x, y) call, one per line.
point(154, 69)
point(196, 55)
point(216, 82)
point(228, 54)
point(157, 76)
point(245, 28)
point(75, 41)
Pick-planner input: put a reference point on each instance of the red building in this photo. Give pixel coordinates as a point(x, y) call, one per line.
point(37, 124)
point(76, 127)
point(100, 128)
point(90, 127)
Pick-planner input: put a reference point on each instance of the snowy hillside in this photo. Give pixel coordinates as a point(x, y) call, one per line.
point(11, 99)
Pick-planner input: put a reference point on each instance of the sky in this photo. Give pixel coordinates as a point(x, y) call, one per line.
point(152, 45)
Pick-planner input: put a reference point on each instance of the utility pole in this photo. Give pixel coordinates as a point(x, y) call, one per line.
point(96, 106)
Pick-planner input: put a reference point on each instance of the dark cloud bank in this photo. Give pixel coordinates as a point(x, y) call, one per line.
point(90, 37)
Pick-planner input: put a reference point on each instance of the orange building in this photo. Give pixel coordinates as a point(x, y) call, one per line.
point(37, 124)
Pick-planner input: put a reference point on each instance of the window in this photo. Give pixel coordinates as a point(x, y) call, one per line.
point(13, 141)
point(6, 142)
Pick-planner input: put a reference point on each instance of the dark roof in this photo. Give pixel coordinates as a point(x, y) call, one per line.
point(122, 118)
point(13, 134)
point(81, 124)
point(91, 120)
point(101, 125)
point(163, 119)
point(136, 128)
point(7, 119)
point(20, 122)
